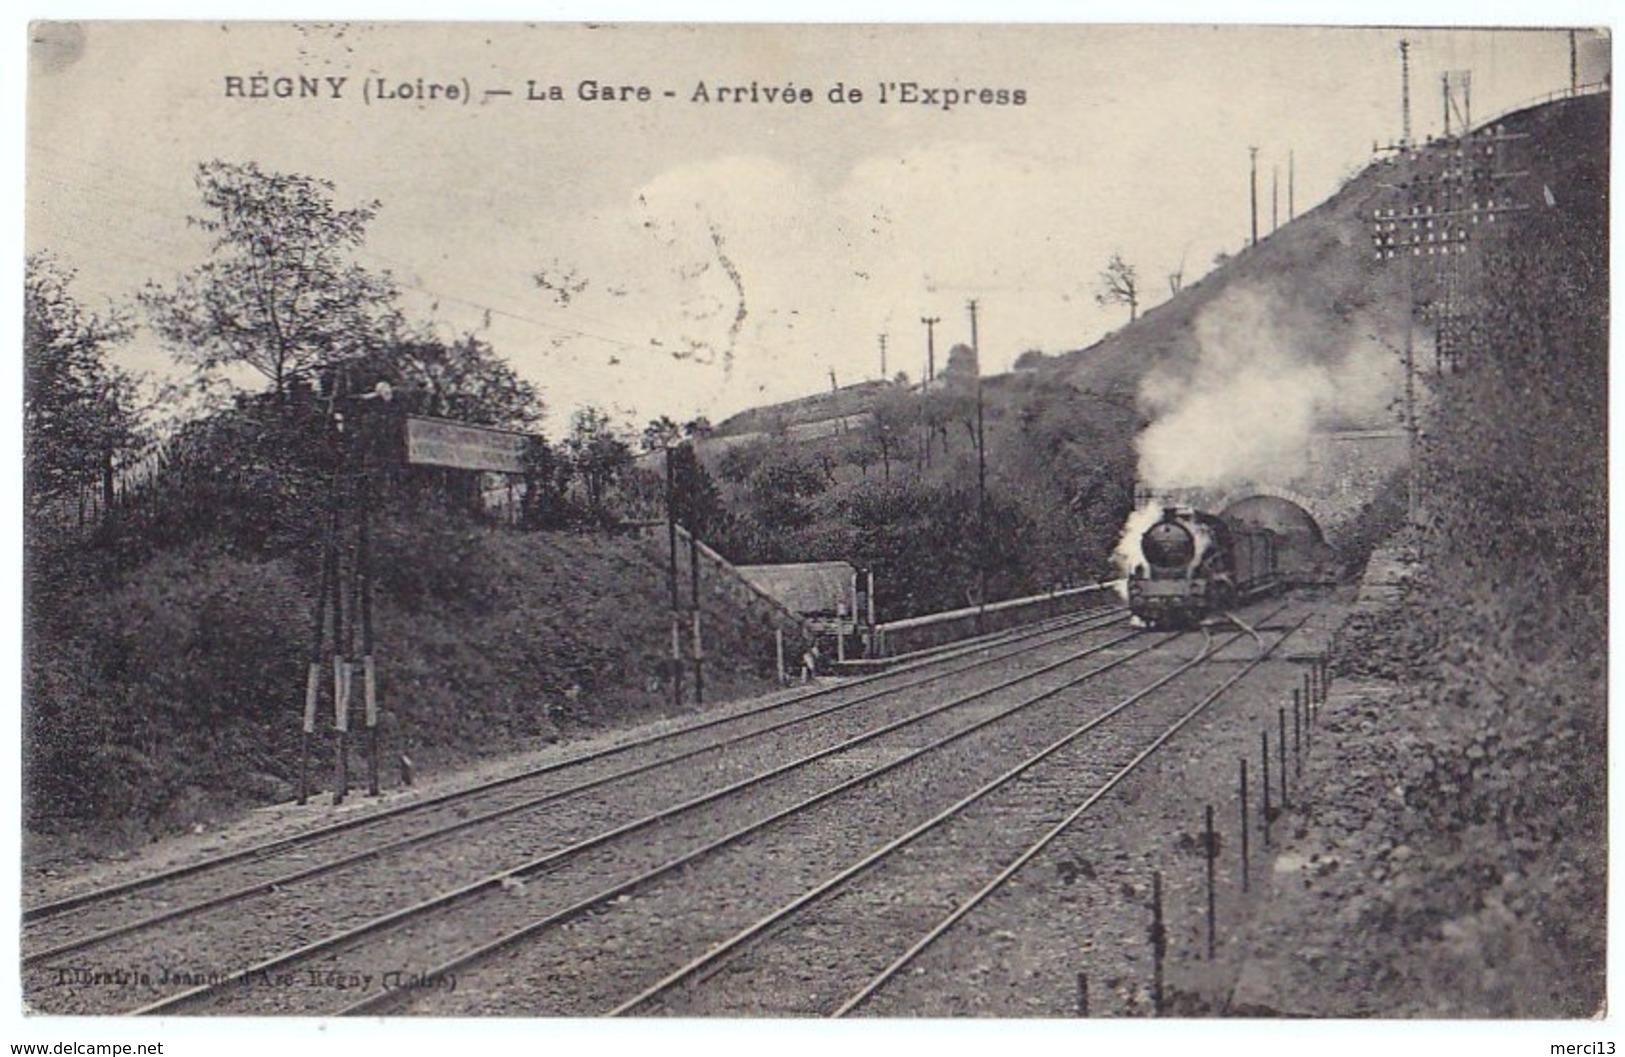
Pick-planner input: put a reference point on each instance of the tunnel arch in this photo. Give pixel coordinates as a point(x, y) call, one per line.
point(1302, 553)
point(1279, 509)
point(1275, 512)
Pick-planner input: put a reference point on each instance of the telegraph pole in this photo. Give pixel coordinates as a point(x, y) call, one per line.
point(1405, 90)
point(1435, 218)
point(930, 374)
point(694, 583)
point(981, 476)
point(930, 346)
point(1413, 498)
point(671, 579)
point(1252, 153)
point(883, 375)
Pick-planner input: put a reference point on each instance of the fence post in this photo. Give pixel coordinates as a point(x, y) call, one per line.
point(1264, 739)
point(1281, 758)
point(1297, 734)
point(1210, 848)
point(1159, 942)
point(1245, 863)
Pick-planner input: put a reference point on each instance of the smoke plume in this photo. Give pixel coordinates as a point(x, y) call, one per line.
point(1266, 377)
point(1128, 556)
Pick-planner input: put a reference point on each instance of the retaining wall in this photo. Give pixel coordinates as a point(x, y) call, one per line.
point(900, 637)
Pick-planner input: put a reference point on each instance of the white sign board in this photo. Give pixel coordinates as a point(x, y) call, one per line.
point(438, 442)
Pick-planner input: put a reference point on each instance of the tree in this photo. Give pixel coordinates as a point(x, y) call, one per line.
point(547, 481)
point(696, 503)
point(926, 545)
point(464, 380)
point(1176, 278)
point(77, 409)
point(896, 417)
point(861, 451)
point(661, 434)
point(962, 368)
point(1119, 285)
point(277, 293)
point(598, 457)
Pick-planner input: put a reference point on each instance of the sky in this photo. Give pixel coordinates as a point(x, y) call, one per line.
point(687, 256)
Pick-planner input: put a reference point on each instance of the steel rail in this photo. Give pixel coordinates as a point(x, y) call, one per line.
point(374, 1003)
point(720, 950)
point(55, 908)
point(451, 898)
point(998, 881)
point(378, 851)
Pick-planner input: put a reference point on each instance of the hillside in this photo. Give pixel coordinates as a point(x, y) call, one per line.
point(1299, 334)
point(1467, 801)
point(819, 407)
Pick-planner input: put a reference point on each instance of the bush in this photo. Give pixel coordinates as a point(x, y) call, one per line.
point(182, 676)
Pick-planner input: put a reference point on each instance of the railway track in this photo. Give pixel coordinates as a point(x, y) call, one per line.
point(823, 953)
point(89, 923)
point(470, 923)
point(611, 952)
point(1023, 638)
point(587, 896)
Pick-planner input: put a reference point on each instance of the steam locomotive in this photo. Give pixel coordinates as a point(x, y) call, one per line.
point(1194, 564)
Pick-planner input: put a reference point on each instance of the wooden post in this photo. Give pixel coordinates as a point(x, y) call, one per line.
point(1297, 735)
point(676, 659)
point(1245, 860)
point(1210, 849)
point(313, 676)
point(1309, 720)
point(1264, 738)
point(699, 661)
point(341, 728)
point(327, 594)
point(671, 579)
point(1159, 942)
point(341, 702)
point(870, 648)
point(778, 642)
point(1281, 756)
point(694, 581)
point(1083, 994)
point(369, 670)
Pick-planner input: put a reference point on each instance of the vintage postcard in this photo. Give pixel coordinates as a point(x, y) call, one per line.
point(741, 522)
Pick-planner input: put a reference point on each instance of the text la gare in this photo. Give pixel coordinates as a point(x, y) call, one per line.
point(589, 91)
